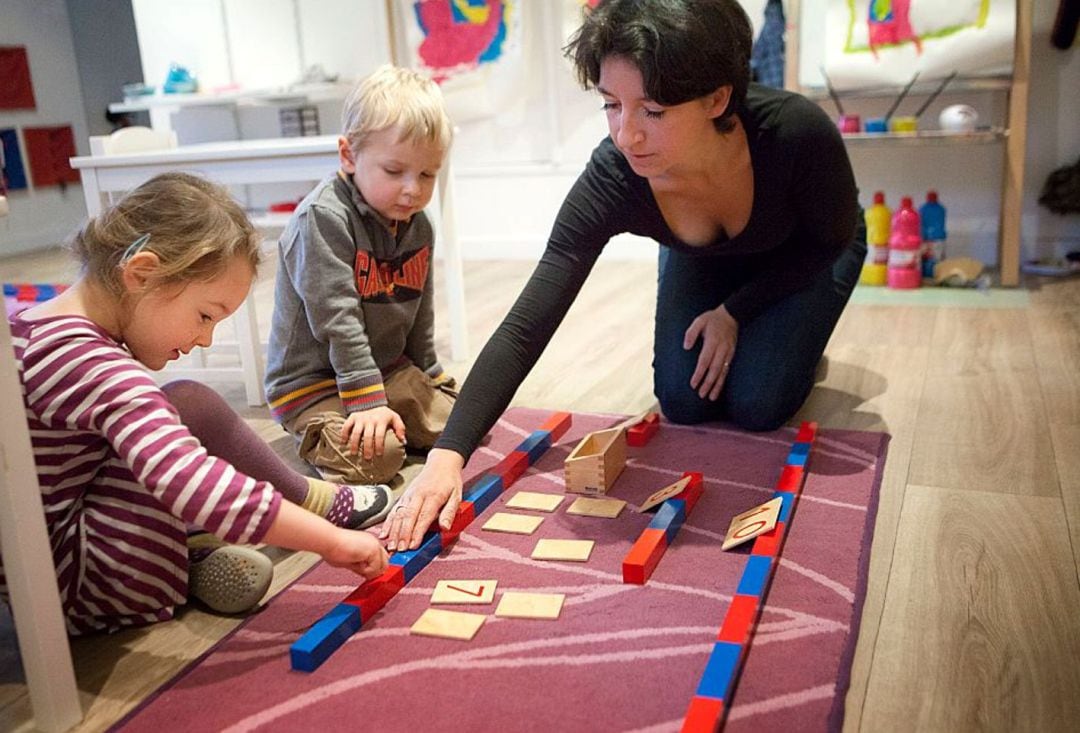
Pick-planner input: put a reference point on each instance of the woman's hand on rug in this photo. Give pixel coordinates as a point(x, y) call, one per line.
point(358, 551)
point(436, 491)
point(718, 332)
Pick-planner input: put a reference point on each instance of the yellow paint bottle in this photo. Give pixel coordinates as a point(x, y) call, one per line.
point(878, 226)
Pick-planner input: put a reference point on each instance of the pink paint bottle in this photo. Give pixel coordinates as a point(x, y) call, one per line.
point(905, 247)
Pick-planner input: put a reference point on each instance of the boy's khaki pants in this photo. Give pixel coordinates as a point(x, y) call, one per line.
point(423, 406)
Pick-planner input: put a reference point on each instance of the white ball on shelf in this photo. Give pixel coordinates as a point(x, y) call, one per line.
point(958, 118)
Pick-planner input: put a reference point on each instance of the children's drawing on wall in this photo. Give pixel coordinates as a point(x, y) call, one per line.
point(11, 165)
point(884, 42)
point(16, 89)
point(888, 24)
point(48, 151)
point(471, 47)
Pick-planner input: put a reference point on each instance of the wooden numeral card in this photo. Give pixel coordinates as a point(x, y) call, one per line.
point(448, 624)
point(512, 523)
point(587, 507)
point(515, 604)
point(464, 591)
point(664, 494)
point(749, 525)
point(535, 500)
point(572, 550)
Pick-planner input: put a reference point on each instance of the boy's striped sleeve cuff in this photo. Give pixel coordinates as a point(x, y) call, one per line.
point(358, 399)
point(434, 371)
point(282, 407)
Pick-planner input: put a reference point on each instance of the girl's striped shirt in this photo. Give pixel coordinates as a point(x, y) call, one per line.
point(122, 479)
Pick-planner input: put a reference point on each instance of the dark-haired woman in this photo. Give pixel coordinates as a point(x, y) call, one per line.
point(750, 194)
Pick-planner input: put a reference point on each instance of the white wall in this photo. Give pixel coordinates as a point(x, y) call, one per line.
point(42, 217)
point(260, 44)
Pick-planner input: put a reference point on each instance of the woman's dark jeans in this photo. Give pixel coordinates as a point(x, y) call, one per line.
point(776, 354)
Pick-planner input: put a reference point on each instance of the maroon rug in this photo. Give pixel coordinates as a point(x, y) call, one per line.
point(620, 657)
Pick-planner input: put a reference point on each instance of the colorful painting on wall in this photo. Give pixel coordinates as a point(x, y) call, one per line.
point(14, 176)
point(456, 36)
point(884, 42)
point(471, 47)
point(48, 150)
point(16, 88)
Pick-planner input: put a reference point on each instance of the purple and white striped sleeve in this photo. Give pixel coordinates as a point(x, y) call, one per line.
point(88, 383)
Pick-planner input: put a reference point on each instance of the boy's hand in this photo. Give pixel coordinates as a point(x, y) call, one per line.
point(444, 380)
point(370, 427)
point(358, 551)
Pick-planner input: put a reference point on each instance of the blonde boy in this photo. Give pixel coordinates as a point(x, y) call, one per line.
point(353, 372)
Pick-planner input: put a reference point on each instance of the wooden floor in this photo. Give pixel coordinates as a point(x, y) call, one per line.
point(972, 620)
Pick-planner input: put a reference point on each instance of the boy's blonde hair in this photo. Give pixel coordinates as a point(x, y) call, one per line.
point(194, 226)
point(395, 97)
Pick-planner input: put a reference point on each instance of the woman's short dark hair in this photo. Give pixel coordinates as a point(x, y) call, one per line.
point(684, 49)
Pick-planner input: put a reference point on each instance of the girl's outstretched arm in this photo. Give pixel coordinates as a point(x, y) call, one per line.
point(298, 529)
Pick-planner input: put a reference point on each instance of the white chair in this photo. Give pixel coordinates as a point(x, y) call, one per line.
point(28, 566)
point(132, 140)
point(196, 366)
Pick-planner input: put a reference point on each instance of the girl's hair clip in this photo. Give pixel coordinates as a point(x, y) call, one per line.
point(133, 249)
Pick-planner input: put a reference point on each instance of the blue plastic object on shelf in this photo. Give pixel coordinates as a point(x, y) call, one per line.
point(932, 218)
point(179, 81)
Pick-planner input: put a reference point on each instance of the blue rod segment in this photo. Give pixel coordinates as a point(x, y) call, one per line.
point(787, 504)
point(720, 670)
point(670, 518)
point(536, 445)
point(484, 491)
point(755, 575)
point(324, 637)
point(413, 561)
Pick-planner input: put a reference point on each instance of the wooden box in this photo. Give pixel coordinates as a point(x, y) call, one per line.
point(593, 466)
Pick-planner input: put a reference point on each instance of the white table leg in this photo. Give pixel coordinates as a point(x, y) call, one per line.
point(28, 565)
point(252, 362)
point(455, 275)
point(91, 192)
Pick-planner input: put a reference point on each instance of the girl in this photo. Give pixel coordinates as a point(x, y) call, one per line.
point(127, 467)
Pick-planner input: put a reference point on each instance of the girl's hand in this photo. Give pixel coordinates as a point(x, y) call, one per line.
point(718, 332)
point(358, 551)
point(369, 427)
point(296, 528)
point(437, 487)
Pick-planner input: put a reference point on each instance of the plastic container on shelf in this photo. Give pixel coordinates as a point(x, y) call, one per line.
point(905, 247)
point(932, 219)
point(878, 218)
point(876, 124)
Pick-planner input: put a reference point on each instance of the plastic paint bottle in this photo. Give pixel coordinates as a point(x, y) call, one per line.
point(878, 218)
point(905, 247)
point(932, 218)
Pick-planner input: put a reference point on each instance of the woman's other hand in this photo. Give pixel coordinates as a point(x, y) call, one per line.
point(718, 332)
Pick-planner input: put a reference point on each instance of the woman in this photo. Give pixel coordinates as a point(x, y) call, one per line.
point(751, 196)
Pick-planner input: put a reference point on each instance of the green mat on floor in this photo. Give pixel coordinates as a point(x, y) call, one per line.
point(947, 297)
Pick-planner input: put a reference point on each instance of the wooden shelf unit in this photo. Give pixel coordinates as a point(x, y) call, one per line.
point(1014, 132)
